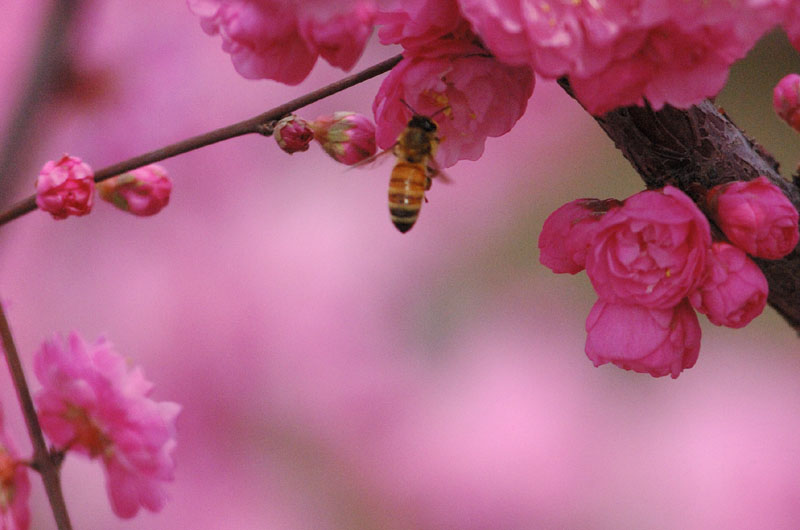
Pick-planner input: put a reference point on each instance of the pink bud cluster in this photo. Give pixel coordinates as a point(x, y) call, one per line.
point(651, 259)
point(15, 486)
point(92, 403)
point(66, 187)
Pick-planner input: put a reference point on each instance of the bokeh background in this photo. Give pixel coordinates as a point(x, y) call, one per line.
point(336, 374)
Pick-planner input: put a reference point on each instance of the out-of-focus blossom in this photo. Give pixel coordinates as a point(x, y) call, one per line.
point(567, 234)
point(786, 99)
point(15, 487)
point(417, 22)
point(756, 217)
point(91, 403)
point(143, 191)
point(293, 134)
point(620, 52)
point(791, 22)
point(348, 137)
point(734, 290)
point(642, 339)
point(65, 187)
point(651, 251)
point(469, 94)
point(281, 40)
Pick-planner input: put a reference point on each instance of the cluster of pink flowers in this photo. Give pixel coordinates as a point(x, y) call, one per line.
point(65, 187)
point(471, 62)
point(91, 403)
point(651, 259)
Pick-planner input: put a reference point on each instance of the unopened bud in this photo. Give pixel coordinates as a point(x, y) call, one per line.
point(293, 134)
point(347, 136)
point(65, 187)
point(144, 191)
point(786, 100)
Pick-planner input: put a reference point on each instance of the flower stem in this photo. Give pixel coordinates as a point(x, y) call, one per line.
point(41, 456)
point(261, 124)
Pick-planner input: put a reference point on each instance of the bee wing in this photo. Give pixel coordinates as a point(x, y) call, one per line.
point(373, 161)
point(436, 171)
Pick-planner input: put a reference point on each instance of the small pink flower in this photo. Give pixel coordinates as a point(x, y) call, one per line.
point(348, 137)
point(786, 100)
point(293, 134)
point(469, 94)
point(65, 187)
point(15, 487)
point(651, 251)
point(734, 290)
point(416, 23)
point(567, 234)
point(144, 191)
point(91, 403)
point(282, 39)
point(756, 217)
point(642, 339)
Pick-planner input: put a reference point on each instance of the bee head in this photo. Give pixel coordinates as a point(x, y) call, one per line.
point(422, 122)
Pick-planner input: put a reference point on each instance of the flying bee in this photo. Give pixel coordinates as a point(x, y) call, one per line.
point(415, 167)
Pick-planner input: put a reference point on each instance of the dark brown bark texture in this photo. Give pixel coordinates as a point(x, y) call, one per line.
point(697, 148)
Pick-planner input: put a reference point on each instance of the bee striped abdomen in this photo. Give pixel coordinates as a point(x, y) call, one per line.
point(406, 193)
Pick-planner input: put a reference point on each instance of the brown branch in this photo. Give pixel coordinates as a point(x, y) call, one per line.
point(261, 124)
point(702, 146)
point(41, 456)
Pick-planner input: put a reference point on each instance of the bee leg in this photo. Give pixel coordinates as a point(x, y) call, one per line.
point(428, 183)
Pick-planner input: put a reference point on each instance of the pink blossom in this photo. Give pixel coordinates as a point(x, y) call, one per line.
point(65, 187)
point(15, 487)
point(756, 216)
point(786, 99)
point(91, 403)
point(791, 22)
point(416, 23)
point(281, 40)
point(621, 52)
point(567, 234)
point(144, 191)
point(651, 251)
point(293, 134)
point(469, 94)
point(733, 291)
point(642, 339)
point(348, 137)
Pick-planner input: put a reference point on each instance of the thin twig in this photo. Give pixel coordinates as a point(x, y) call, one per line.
point(41, 456)
point(258, 124)
point(49, 65)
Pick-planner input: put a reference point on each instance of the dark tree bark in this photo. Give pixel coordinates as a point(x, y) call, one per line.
point(697, 148)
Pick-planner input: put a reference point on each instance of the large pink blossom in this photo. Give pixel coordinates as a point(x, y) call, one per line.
point(618, 52)
point(756, 216)
point(281, 40)
point(15, 487)
point(65, 187)
point(642, 339)
point(91, 403)
point(568, 232)
point(469, 94)
point(651, 251)
point(733, 291)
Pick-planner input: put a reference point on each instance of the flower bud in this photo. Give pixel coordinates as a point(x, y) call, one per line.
point(293, 134)
point(756, 217)
point(348, 137)
point(567, 234)
point(786, 100)
point(643, 339)
point(733, 291)
point(144, 191)
point(65, 187)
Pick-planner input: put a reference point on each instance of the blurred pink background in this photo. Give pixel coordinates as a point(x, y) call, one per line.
point(336, 374)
